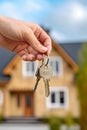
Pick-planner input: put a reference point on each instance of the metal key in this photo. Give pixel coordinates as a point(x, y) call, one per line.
point(46, 73)
point(37, 79)
point(47, 90)
point(46, 79)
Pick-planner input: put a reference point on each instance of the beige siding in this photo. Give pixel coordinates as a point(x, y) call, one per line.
point(20, 83)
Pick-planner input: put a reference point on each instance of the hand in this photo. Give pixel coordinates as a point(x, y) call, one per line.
point(28, 40)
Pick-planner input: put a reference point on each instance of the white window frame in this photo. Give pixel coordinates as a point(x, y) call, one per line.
point(26, 73)
point(60, 65)
point(58, 105)
point(1, 98)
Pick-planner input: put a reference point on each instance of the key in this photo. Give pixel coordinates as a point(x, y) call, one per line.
point(47, 90)
point(46, 74)
point(38, 75)
point(37, 79)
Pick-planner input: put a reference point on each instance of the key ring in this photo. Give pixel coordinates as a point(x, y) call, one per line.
point(44, 64)
point(47, 62)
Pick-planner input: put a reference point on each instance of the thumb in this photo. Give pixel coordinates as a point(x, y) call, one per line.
point(34, 42)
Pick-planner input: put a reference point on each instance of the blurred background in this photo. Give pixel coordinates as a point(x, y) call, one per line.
point(66, 19)
point(66, 23)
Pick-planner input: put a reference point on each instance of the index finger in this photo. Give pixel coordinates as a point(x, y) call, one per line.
point(41, 35)
point(44, 39)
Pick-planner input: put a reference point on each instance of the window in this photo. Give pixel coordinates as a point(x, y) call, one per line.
point(61, 95)
point(56, 64)
point(53, 97)
point(58, 97)
point(1, 98)
point(28, 68)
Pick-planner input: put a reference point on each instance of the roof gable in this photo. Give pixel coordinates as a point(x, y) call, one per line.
point(72, 50)
point(5, 58)
point(65, 55)
point(68, 51)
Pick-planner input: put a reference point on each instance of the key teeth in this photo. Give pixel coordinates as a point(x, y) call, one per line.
point(34, 89)
point(35, 86)
point(47, 95)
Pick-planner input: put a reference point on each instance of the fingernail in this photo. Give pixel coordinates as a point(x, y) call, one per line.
point(44, 49)
point(32, 58)
point(24, 57)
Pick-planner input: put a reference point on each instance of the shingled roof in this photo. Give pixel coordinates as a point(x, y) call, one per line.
point(6, 56)
point(72, 49)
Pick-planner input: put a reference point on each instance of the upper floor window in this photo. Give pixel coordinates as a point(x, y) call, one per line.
point(28, 68)
point(57, 67)
point(58, 97)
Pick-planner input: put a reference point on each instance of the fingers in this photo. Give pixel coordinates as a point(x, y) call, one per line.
point(47, 43)
point(37, 55)
point(34, 42)
point(28, 57)
point(41, 36)
point(19, 47)
point(31, 57)
point(25, 36)
point(45, 40)
point(29, 54)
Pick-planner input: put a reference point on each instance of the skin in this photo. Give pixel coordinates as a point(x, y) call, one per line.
point(28, 40)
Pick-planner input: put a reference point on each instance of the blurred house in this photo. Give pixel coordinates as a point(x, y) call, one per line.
point(17, 81)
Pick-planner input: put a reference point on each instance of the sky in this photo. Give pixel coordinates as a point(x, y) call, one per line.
point(66, 19)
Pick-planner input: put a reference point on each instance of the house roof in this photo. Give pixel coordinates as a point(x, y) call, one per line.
point(5, 58)
point(65, 55)
point(72, 49)
point(8, 59)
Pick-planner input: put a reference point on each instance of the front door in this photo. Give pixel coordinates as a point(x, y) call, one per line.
point(28, 104)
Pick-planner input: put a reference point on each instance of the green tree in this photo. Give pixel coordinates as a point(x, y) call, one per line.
point(81, 80)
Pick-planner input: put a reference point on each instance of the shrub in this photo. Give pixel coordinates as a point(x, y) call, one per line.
point(1, 117)
point(69, 120)
point(54, 123)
